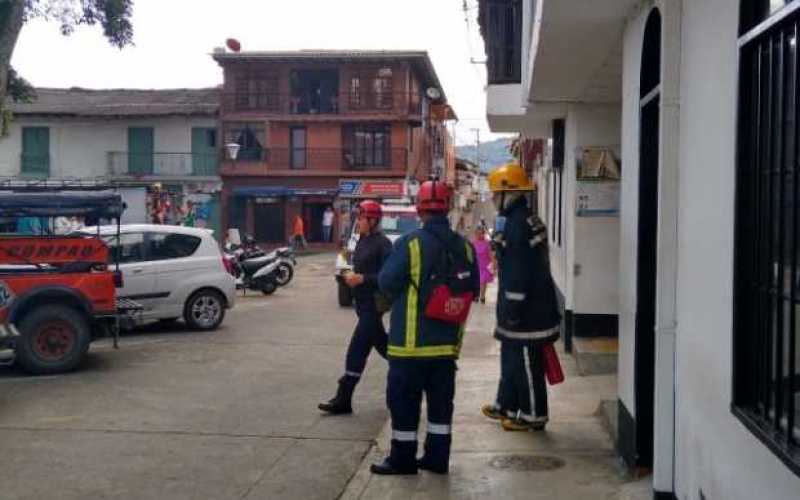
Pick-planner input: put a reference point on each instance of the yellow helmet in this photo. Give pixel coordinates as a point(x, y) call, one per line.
point(510, 177)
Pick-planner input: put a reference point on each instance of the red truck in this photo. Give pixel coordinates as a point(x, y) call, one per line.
point(57, 293)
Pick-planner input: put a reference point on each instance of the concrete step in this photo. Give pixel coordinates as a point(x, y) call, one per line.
point(595, 355)
point(607, 413)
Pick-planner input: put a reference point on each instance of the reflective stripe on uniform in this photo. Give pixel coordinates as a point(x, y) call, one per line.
point(431, 351)
point(441, 429)
point(470, 256)
point(527, 361)
point(352, 374)
point(413, 294)
point(515, 296)
point(461, 331)
point(542, 334)
point(404, 435)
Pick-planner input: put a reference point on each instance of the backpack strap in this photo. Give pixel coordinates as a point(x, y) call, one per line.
point(446, 250)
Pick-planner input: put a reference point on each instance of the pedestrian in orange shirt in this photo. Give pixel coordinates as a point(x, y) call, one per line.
point(299, 233)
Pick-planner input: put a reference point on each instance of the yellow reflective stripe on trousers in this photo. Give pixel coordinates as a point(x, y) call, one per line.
point(431, 351)
point(413, 294)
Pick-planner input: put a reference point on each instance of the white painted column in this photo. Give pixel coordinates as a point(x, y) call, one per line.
point(667, 250)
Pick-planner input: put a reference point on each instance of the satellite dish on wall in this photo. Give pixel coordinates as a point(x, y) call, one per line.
point(433, 93)
point(233, 44)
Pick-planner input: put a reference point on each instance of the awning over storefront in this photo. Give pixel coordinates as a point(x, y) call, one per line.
point(275, 191)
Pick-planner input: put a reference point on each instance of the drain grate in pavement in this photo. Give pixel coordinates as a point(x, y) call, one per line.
point(526, 463)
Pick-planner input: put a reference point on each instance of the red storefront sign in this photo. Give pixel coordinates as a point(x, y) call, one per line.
point(355, 188)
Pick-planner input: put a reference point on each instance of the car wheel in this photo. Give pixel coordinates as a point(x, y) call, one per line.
point(345, 297)
point(285, 274)
point(268, 288)
point(204, 310)
point(54, 339)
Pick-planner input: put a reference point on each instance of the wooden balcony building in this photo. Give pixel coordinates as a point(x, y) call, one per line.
point(308, 122)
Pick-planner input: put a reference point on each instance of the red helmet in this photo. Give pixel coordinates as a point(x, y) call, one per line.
point(370, 209)
point(433, 196)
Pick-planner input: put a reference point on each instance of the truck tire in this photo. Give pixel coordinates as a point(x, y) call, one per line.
point(53, 339)
point(204, 310)
point(345, 297)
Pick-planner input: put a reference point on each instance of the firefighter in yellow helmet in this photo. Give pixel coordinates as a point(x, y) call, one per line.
point(528, 314)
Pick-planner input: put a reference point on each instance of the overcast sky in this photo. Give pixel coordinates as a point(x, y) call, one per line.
point(174, 37)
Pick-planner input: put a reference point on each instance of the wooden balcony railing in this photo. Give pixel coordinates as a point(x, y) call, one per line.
point(390, 103)
point(329, 159)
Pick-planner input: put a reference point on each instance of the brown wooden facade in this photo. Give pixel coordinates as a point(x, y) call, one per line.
point(304, 121)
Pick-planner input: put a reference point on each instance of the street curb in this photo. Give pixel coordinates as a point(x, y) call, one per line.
point(355, 488)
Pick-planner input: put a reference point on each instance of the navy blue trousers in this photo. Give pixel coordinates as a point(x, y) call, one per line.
point(408, 380)
point(369, 333)
point(522, 389)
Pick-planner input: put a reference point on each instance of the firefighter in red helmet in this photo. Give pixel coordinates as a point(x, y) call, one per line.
point(427, 265)
point(371, 252)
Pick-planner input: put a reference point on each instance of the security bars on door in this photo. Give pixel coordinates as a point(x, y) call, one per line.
point(767, 276)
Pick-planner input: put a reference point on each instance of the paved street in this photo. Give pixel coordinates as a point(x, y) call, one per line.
point(232, 415)
point(176, 415)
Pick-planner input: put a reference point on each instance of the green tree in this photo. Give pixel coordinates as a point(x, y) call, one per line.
point(114, 16)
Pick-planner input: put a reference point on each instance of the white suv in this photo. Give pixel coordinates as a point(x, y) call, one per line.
point(173, 271)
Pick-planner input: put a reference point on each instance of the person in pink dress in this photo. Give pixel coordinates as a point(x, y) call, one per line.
point(486, 262)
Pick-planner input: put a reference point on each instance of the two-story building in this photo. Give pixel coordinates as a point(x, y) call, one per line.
point(144, 141)
point(700, 100)
point(304, 130)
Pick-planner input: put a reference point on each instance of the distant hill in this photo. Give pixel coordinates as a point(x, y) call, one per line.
point(493, 153)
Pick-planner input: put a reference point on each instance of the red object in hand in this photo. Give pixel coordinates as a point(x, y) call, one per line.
point(552, 366)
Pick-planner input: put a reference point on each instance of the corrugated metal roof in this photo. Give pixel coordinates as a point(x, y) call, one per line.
point(120, 102)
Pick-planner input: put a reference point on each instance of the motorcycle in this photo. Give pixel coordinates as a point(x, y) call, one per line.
point(255, 269)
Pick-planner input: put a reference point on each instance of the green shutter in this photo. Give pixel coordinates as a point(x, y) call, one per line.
point(35, 152)
point(140, 150)
point(204, 151)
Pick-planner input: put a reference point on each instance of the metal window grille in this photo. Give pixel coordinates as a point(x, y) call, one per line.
point(502, 24)
point(767, 276)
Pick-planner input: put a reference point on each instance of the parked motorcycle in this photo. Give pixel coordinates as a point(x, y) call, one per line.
point(255, 269)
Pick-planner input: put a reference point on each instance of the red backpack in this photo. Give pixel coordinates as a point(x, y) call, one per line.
point(451, 293)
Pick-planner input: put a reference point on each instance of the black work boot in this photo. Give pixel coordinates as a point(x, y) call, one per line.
point(341, 404)
point(425, 464)
point(386, 468)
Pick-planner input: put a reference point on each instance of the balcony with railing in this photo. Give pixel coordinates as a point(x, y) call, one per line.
point(128, 164)
point(34, 165)
point(348, 103)
point(320, 160)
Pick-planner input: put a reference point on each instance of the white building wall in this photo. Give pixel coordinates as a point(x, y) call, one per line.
point(715, 453)
point(591, 243)
point(629, 210)
point(79, 147)
point(595, 241)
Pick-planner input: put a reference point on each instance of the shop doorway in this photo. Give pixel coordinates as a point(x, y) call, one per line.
point(312, 216)
point(270, 222)
point(647, 264)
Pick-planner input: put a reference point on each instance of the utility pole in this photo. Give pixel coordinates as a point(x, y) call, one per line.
point(477, 147)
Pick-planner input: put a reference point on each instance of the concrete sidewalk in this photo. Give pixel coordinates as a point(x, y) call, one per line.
point(573, 459)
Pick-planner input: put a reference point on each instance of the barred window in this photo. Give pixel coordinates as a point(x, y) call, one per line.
point(501, 27)
point(766, 363)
